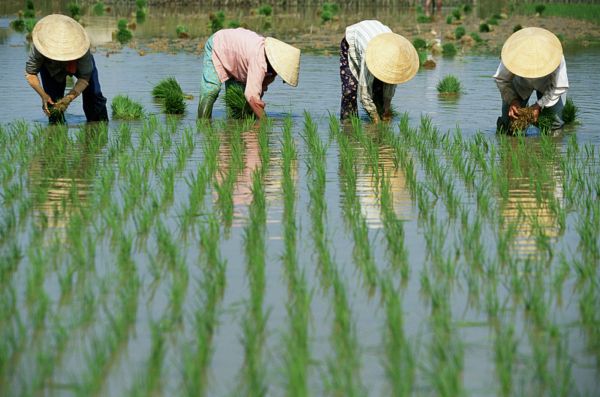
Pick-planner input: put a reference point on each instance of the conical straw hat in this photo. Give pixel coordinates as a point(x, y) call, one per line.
point(60, 38)
point(532, 52)
point(391, 58)
point(284, 58)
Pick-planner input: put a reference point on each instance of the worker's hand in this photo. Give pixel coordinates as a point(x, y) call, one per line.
point(513, 110)
point(46, 100)
point(536, 112)
point(387, 115)
point(63, 104)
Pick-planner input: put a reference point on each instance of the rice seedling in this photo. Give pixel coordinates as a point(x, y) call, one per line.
point(98, 8)
point(422, 18)
point(467, 8)
point(484, 28)
point(174, 103)
point(235, 101)
point(419, 43)
point(449, 49)
point(328, 11)
point(456, 13)
point(265, 10)
point(540, 8)
point(476, 37)
point(449, 86)
point(74, 10)
point(492, 20)
point(123, 34)
point(449, 19)
point(125, 108)
point(29, 9)
point(217, 21)
point(182, 32)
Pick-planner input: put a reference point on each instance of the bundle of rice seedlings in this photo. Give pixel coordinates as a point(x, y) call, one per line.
point(125, 108)
point(57, 115)
point(182, 32)
point(98, 9)
point(235, 101)
point(449, 49)
point(570, 112)
point(173, 103)
point(523, 120)
point(419, 43)
point(459, 32)
point(484, 28)
point(165, 87)
point(449, 85)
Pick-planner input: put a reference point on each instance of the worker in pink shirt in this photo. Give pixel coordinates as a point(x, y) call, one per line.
point(248, 58)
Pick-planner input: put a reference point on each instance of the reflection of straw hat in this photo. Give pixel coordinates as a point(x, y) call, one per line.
point(391, 58)
point(284, 58)
point(60, 38)
point(532, 52)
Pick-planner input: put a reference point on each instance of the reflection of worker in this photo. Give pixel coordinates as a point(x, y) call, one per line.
point(61, 48)
point(433, 5)
point(372, 61)
point(524, 208)
point(532, 59)
point(248, 58)
point(52, 175)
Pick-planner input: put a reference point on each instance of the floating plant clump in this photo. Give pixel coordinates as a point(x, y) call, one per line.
point(125, 108)
point(235, 101)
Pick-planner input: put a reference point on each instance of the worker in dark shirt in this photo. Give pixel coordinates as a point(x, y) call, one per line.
point(61, 48)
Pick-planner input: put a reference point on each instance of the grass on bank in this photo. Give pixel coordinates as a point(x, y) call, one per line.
point(588, 12)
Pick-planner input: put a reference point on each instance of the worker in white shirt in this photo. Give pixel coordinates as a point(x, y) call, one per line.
point(373, 60)
point(532, 59)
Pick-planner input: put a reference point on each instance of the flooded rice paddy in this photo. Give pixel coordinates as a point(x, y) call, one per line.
point(425, 257)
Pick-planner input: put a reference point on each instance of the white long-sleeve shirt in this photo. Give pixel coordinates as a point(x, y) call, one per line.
point(552, 86)
point(358, 37)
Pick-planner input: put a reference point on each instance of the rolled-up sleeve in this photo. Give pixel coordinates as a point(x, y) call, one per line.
point(559, 85)
point(504, 82)
point(34, 62)
point(365, 82)
point(254, 83)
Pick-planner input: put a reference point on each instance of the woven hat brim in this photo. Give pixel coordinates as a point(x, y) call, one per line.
point(60, 38)
point(392, 58)
point(532, 52)
point(284, 58)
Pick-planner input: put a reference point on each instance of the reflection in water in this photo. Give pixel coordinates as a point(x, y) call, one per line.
point(368, 183)
point(62, 172)
point(250, 163)
point(534, 185)
point(100, 29)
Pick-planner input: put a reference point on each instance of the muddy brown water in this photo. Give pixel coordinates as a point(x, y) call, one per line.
point(318, 93)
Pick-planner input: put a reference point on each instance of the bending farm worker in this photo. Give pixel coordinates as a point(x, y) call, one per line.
point(248, 58)
point(373, 60)
point(61, 48)
point(532, 59)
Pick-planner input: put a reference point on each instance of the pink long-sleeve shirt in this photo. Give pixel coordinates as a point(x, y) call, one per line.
point(240, 54)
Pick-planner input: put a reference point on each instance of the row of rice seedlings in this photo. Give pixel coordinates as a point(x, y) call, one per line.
point(149, 381)
point(315, 161)
point(211, 288)
point(105, 347)
point(344, 364)
point(225, 187)
point(297, 355)
point(399, 360)
point(362, 251)
point(254, 380)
